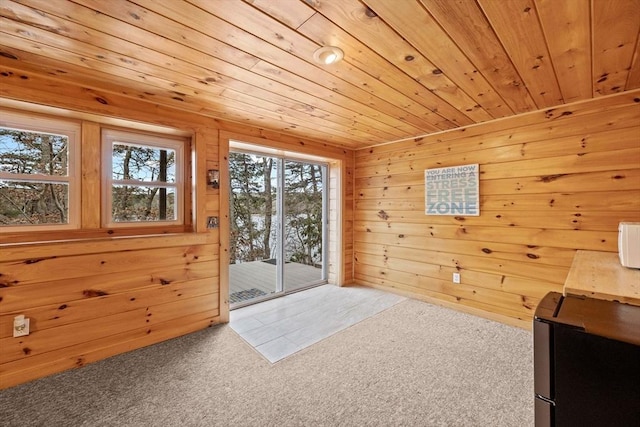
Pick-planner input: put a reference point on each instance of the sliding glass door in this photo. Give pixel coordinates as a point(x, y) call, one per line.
point(304, 230)
point(254, 220)
point(278, 226)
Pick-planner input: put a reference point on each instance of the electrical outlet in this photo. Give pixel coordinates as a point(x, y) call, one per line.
point(20, 326)
point(456, 277)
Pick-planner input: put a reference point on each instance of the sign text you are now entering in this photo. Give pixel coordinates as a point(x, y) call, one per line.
point(452, 190)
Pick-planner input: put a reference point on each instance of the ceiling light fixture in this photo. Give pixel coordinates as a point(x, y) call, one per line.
point(328, 55)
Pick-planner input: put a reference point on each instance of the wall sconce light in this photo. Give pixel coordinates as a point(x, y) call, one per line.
point(213, 178)
point(328, 55)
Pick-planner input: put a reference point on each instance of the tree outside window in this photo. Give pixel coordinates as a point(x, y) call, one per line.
point(36, 174)
point(144, 178)
point(253, 212)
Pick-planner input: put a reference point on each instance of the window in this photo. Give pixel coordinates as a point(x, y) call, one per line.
point(143, 179)
point(39, 168)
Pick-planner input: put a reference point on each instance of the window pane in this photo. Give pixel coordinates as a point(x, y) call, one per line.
point(136, 203)
point(32, 203)
point(143, 163)
point(25, 152)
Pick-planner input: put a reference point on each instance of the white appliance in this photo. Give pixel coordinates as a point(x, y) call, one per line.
point(629, 244)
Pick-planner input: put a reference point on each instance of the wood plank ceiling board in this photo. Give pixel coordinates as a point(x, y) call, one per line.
point(464, 21)
point(361, 22)
point(92, 78)
point(517, 26)
point(241, 79)
point(177, 83)
point(317, 27)
point(294, 15)
point(36, 40)
point(261, 96)
point(566, 25)
point(367, 36)
point(171, 74)
point(396, 110)
point(411, 68)
point(443, 98)
point(210, 79)
point(293, 71)
point(616, 26)
point(408, 107)
point(633, 81)
point(178, 91)
point(417, 26)
point(273, 32)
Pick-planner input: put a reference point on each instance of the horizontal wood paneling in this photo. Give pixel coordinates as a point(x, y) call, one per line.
point(523, 128)
point(60, 292)
point(66, 335)
point(76, 356)
point(550, 183)
point(74, 299)
point(94, 246)
point(33, 270)
point(94, 293)
point(560, 220)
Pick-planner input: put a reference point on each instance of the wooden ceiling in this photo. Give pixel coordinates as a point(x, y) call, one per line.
point(411, 67)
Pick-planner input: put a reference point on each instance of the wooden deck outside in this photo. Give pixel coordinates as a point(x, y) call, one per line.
point(258, 279)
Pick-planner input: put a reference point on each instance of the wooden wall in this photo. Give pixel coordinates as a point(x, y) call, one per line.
point(94, 293)
point(90, 300)
point(551, 182)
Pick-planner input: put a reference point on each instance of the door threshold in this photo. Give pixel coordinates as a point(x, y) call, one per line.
point(275, 295)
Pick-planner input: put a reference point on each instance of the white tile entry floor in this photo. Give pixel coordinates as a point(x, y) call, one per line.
point(280, 327)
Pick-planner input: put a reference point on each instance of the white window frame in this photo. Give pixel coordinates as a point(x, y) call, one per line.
point(72, 130)
point(111, 136)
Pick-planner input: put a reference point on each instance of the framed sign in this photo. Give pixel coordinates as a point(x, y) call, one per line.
point(452, 191)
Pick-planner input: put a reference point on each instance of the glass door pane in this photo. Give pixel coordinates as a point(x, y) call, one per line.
point(304, 231)
point(254, 219)
point(278, 217)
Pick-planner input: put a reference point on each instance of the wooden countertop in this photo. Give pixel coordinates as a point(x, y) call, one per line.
point(600, 275)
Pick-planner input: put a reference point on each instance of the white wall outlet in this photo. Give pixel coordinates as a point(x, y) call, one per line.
point(20, 326)
point(456, 277)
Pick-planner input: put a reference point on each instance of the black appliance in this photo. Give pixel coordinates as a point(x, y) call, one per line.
point(586, 362)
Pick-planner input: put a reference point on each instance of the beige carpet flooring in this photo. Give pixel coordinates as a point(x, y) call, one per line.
point(414, 364)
